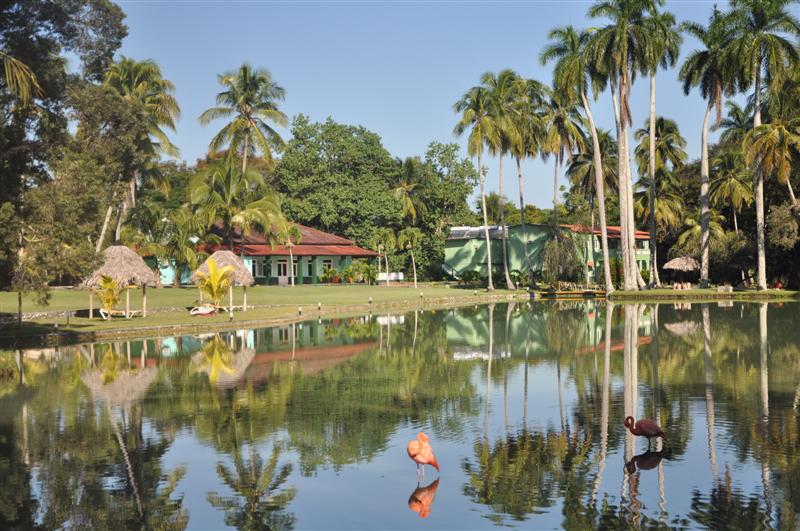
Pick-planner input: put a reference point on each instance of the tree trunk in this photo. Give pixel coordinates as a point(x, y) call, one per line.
point(244, 298)
point(653, 281)
point(709, 381)
point(489, 284)
point(758, 191)
point(127, 303)
point(414, 267)
point(735, 222)
point(106, 221)
point(291, 266)
point(555, 191)
point(144, 300)
point(386, 263)
point(705, 215)
point(19, 308)
point(504, 245)
point(636, 274)
point(525, 259)
point(599, 185)
point(121, 214)
point(246, 149)
point(628, 280)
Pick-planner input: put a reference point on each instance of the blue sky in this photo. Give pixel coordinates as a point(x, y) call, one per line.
point(394, 67)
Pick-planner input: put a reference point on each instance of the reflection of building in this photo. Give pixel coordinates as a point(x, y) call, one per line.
point(467, 354)
point(465, 248)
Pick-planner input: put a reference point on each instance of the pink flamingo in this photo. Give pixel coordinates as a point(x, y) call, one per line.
point(422, 453)
point(645, 428)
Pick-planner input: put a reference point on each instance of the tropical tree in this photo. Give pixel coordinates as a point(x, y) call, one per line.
point(290, 236)
point(617, 50)
point(216, 282)
point(410, 239)
point(668, 204)
point(108, 292)
point(408, 189)
point(571, 75)
point(661, 50)
point(735, 125)
point(710, 70)
point(762, 43)
point(237, 199)
point(19, 78)
point(475, 109)
point(504, 89)
point(691, 237)
point(662, 152)
point(142, 85)
point(771, 147)
point(731, 184)
point(384, 241)
point(563, 137)
point(251, 97)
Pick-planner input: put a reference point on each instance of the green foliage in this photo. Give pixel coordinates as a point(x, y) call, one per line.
point(471, 278)
point(216, 282)
point(560, 259)
point(784, 230)
point(108, 291)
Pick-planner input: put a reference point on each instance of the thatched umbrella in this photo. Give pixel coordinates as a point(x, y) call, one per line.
point(683, 263)
point(127, 268)
point(241, 275)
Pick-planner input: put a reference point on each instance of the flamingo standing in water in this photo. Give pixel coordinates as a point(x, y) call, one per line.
point(422, 453)
point(645, 428)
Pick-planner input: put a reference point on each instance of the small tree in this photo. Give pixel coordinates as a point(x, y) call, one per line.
point(560, 258)
point(216, 282)
point(289, 235)
point(409, 239)
point(384, 241)
point(108, 292)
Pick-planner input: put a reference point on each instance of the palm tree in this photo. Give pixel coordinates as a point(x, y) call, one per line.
point(251, 97)
point(185, 230)
point(407, 189)
point(475, 109)
point(770, 148)
point(581, 169)
point(760, 42)
point(618, 50)
point(503, 89)
point(731, 186)
point(384, 241)
point(526, 118)
point(735, 125)
point(19, 79)
point(216, 282)
point(564, 136)
point(409, 239)
point(710, 70)
point(668, 202)
point(141, 83)
point(692, 235)
point(238, 199)
point(662, 50)
point(569, 50)
point(290, 236)
point(660, 143)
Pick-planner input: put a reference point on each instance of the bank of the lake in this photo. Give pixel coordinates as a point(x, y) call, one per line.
point(267, 306)
point(703, 295)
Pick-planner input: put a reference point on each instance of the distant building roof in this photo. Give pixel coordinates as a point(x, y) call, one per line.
point(468, 233)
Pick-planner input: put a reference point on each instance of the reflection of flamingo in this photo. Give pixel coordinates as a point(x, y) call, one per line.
point(646, 461)
point(422, 498)
point(422, 453)
point(645, 428)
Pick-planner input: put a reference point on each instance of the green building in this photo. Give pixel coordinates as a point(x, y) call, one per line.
point(465, 248)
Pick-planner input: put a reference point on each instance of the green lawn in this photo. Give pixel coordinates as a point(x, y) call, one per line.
point(709, 293)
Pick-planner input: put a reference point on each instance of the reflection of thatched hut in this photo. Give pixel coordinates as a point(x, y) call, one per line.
point(241, 275)
point(127, 268)
point(682, 328)
point(128, 387)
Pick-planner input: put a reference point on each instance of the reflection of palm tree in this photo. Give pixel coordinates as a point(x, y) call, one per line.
point(712, 453)
point(259, 503)
point(604, 402)
point(764, 351)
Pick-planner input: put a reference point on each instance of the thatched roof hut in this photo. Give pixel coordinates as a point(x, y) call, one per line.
point(241, 275)
point(683, 263)
point(123, 265)
point(126, 267)
point(129, 387)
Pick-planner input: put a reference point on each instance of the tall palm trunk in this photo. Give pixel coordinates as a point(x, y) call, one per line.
point(653, 281)
point(490, 284)
point(604, 403)
point(244, 153)
point(625, 88)
point(414, 267)
point(525, 259)
point(758, 191)
point(291, 265)
point(106, 221)
point(704, 201)
point(709, 381)
point(504, 245)
point(599, 186)
point(628, 281)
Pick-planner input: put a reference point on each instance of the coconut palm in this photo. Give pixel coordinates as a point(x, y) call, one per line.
point(661, 50)
point(668, 201)
point(710, 70)
point(618, 50)
point(571, 75)
point(763, 31)
point(692, 235)
point(238, 199)
point(407, 189)
point(770, 148)
point(19, 79)
point(409, 239)
point(504, 89)
point(290, 236)
point(216, 282)
point(475, 109)
point(251, 97)
point(731, 184)
point(564, 137)
point(734, 125)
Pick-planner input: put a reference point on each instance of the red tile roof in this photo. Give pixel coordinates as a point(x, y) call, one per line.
point(308, 250)
point(614, 231)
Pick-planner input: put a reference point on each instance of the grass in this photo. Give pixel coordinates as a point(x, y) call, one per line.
point(706, 294)
point(167, 308)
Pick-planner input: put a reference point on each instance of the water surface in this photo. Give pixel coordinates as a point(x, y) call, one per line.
point(305, 426)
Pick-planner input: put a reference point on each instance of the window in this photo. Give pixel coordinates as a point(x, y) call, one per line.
point(294, 268)
point(260, 266)
point(283, 333)
point(283, 268)
point(310, 268)
point(327, 264)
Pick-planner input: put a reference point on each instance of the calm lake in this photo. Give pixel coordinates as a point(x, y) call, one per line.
point(305, 426)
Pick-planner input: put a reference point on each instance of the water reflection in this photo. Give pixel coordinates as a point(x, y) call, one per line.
point(292, 426)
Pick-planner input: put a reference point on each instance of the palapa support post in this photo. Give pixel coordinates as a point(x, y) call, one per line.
point(91, 304)
point(230, 300)
point(244, 298)
point(127, 303)
point(144, 300)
